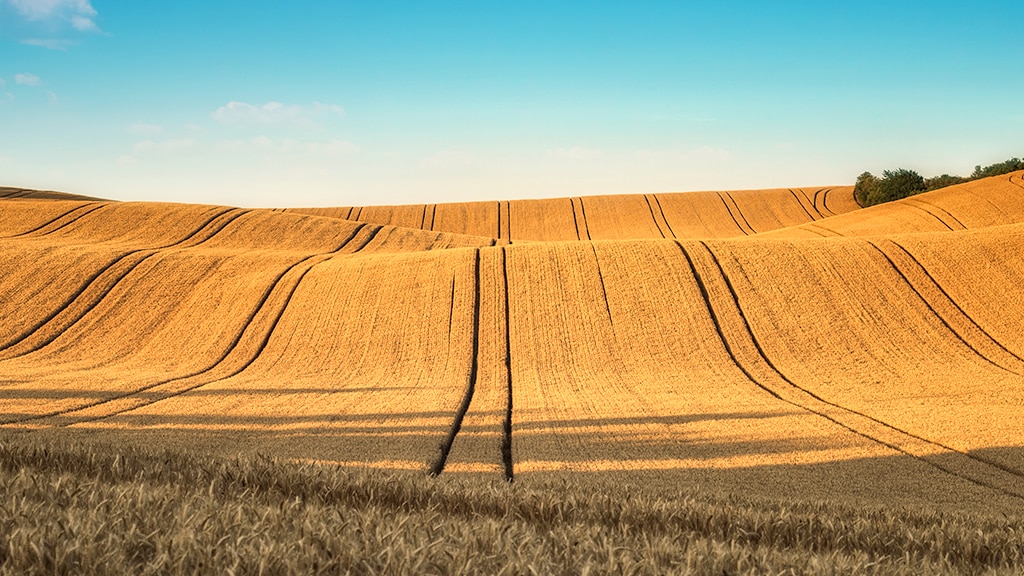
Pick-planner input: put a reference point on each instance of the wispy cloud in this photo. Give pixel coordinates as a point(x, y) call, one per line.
point(328, 148)
point(26, 79)
point(50, 43)
point(79, 13)
point(243, 113)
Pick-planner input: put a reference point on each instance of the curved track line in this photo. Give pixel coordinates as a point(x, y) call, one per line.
point(917, 292)
point(653, 217)
point(814, 201)
point(739, 211)
point(95, 288)
point(56, 222)
point(992, 476)
point(734, 219)
point(949, 300)
point(928, 212)
point(446, 446)
point(927, 209)
point(604, 291)
point(828, 194)
point(940, 209)
point(801, 204)
point(575, 220)
point(663, 217)
point(1017, 184)
point(231, 347)
point(583, 213)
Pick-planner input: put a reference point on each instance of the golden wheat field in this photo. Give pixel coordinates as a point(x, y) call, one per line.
point(780, 343)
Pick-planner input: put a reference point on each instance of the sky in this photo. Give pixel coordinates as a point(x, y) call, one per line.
point(336, 103)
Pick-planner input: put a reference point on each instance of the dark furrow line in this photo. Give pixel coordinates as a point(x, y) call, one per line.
point(915, 205)
point(446, 446)
point(433, 217)
point(18, 194)
point(950, 299)
point(764, 356)
point(75, 219)
point(89, 283)
point(245, 365)
point(942, 210)
point(423, 218)
point(359, 212)
point(1019, 185)
point(814, 201)
point(508, 221)
point(575, 222)
point(230, 348)
point(824, 201)
point(663, 217)
point(801, 204)
point(54, 220)
point(653, 217)
point(733, 216)
point(740, 212)
point(935, 313)
point(506, 431)
point(369, 238)
point(499, 221)
point(604, 292)
point(583, 213)
point(718, 328)
point(810, 228)
point(706, 296)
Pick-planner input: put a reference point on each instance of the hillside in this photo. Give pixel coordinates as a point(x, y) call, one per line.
point(779, 343)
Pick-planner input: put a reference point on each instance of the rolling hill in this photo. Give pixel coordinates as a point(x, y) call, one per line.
point(776, 342)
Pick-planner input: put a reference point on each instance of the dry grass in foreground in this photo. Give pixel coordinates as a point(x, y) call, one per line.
point(79, 509)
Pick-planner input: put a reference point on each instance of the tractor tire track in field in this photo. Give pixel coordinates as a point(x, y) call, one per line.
point(928, 209)
point(824, 192)
point(746, 352)
point(663, 217)
point(650, 207)
point(943, 307)
point(60, 221)
point(99, 285)
point(580, 217)
point(506, 428)
point(798, 197)
point(575, 219)
point(282, 287)
point(746, 231)
point(446, 445)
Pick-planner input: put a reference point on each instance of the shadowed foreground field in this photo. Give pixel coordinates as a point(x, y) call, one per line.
point(777, 346)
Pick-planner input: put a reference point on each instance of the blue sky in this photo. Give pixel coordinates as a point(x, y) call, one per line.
point(338, 103)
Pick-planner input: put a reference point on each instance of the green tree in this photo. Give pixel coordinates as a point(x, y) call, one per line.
point(894, 185)
point(867, 184)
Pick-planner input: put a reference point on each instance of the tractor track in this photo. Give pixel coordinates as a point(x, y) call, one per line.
point(95, 288)
point(980, 471)
point(260, 309)
point(663, 217)
point(797, 197)
point(437, 466)
point(653, 217)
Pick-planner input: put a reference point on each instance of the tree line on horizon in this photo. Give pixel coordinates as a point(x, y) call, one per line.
point(901, 182)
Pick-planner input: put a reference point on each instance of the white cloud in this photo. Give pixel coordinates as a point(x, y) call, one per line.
point(26, 79)
point(243, 113)
point(79, 13)
point(140, 129)
point(51, 43)
point(330, 148)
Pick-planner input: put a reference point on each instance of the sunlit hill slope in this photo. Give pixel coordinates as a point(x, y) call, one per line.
point(780, 342)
